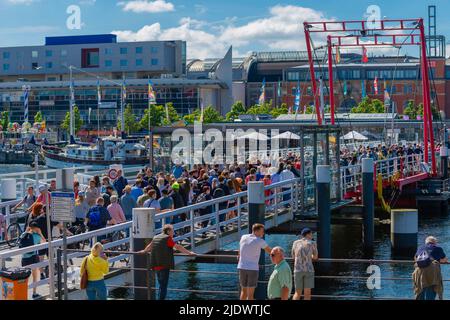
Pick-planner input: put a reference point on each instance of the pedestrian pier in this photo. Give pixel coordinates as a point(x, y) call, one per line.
point(288, 206)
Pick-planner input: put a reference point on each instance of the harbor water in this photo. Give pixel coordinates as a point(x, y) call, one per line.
point(346, 244)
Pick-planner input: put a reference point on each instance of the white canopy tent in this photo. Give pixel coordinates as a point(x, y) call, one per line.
point(254, 136)
point(356, 136)
point(287, 136)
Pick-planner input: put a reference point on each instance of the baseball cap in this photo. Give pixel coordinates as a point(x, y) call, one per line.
point(306, 231)
point(42, 188)
point(176, 186)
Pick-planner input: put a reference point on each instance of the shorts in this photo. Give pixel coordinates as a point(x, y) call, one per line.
point(248, 278)
point(30, 260)
point(304, 280)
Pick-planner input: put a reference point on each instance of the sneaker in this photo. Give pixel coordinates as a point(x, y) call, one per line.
point(36, 296)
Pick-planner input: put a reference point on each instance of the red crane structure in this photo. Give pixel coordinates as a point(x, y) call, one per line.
point(386, 33)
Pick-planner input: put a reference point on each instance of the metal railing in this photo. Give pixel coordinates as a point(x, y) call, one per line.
point(282, 199)
point(392, 168)
point(150, 278)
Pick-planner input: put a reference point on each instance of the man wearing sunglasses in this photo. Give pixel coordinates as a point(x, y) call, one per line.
point(280, 282)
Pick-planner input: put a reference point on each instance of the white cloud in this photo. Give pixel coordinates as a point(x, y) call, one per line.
point(148, 6)
point(18, 2)
point(200, 44)
point(281, 30)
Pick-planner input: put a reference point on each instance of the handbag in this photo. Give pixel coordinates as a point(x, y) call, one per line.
point(84, 276)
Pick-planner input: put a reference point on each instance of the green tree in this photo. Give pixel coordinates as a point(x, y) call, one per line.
point(237, 109)
point(278, 111)
point(4, 120)
point(158, 116)
point(131, 125)
point(310, 110)
point(413, 111)
point(38, 118)
point(210, 115)
point(368, 105)
point(78, 121)
point(260, 109)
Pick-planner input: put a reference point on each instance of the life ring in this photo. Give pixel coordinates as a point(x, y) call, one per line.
point(112, 174)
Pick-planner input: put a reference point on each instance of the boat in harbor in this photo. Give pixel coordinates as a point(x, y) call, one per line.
point(107, 151)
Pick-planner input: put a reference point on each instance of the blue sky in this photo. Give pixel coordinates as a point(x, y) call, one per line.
point(210, 27)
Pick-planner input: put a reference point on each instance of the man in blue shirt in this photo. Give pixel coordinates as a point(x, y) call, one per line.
point(137, 190)
point(177, 171)
point(120, 183)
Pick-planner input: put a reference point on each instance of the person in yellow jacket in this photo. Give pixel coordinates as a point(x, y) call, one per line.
point(97, 267)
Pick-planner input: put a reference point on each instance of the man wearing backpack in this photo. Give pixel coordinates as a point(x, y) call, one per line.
point(427, 275)
point(98, 216)
point(33, 236)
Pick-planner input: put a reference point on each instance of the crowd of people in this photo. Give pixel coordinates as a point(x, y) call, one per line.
point(378, 153)
point(108, 202)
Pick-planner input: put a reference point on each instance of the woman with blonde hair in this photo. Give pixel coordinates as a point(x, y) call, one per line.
point(94, 267)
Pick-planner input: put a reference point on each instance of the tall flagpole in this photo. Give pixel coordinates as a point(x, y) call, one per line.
point(72, 102)
point(99, 102)
point(150, 133)
point(122, 120)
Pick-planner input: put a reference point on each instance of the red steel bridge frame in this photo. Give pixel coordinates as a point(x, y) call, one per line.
point(414, 34)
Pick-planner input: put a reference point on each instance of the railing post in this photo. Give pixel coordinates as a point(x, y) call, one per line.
point(59, 280)
point(216, 206)
point(444, 162)
point(192, 214)
point(368, 201)
point(142, 234)
point(239, 203)
point(323, 180)
point(150, 278)
point(256, 214)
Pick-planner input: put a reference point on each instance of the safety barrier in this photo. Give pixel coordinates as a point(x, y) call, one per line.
point(392, 168)
point(282, 200)
point(151, 288)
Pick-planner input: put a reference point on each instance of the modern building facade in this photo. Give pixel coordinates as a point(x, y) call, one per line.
point(101, 59)
point(401, 75)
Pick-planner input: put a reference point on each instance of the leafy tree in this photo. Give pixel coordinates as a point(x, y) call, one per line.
point(210, 115)
point(413, 111)
point(260, 109)
point(78, 123)
point(38, 118)
point(278, 111)
point(368, 105)
point(310, 110)
point(237, 109)
point(4, 120)
point(131, 125)
point(158, 116)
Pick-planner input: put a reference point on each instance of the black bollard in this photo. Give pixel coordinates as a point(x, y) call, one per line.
point(256, 214)
point(444, 162)
point(323, 180)
point(368, 202)
point(142, 234)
